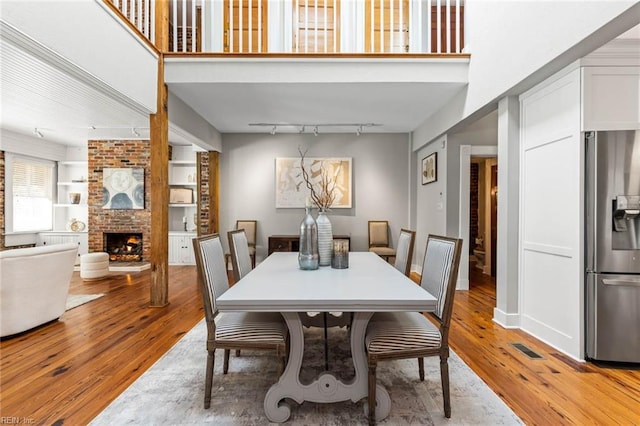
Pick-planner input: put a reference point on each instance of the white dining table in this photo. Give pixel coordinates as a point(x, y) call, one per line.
point(369, 285)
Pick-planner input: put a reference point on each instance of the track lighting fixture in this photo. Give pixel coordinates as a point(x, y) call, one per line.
point(134, 132)
point(38, 133)
point(328, 127)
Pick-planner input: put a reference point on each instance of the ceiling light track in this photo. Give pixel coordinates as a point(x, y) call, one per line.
point(315, 127)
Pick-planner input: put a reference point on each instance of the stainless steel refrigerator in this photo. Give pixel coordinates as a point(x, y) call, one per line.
point(612, 246)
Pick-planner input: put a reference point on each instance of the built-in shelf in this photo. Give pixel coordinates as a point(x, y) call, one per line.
point(72, 178)
point(183, 178)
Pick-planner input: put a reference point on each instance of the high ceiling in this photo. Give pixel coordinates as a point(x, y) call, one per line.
point(63, 109)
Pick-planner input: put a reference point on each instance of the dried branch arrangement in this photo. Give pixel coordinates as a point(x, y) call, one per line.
point(323, 194)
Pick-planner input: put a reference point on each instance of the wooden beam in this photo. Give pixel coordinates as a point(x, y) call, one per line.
point(159, 145)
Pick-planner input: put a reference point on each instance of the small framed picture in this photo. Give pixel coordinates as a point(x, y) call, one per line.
point(430, 168)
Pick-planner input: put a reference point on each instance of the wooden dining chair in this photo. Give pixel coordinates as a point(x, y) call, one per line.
point(231, 330)
point(379, 239)
point(240, 254)
point(399, 335)
point(251, 229)
point(404, 251)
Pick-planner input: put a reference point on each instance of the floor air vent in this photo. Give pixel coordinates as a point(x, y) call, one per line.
point(527, 351)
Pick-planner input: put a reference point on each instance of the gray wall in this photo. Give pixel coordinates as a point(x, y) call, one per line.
point(381, 187)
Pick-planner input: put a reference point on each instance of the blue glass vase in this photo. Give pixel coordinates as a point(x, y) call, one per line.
point(308, 257)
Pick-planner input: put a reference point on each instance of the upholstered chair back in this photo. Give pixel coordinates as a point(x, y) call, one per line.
point(250, 228)
point(212, 271)
point(378, 233)
point(404, 251)
point(440, 272)
point(240, 258)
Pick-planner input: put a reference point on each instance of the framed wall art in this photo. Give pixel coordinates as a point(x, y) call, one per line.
point(430, 168)
point(291, 191)
point(123, 188)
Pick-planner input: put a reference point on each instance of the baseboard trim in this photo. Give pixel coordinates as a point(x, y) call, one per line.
point(506, 320)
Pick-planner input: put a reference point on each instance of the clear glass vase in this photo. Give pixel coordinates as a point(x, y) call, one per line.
point(308, 257)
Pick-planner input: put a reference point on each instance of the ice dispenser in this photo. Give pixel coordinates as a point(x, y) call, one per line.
point(626, 208)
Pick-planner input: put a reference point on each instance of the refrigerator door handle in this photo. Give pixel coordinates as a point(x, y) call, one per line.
point(626, 282)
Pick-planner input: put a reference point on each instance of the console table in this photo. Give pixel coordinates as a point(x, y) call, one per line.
point(292, 242)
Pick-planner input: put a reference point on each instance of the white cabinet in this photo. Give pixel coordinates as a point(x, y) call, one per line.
point(70, 212)
point(611, 98)
point(79, 238)
point(181, 248)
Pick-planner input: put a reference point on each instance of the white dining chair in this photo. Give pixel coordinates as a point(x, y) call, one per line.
point(400, 335)
point(231, 330)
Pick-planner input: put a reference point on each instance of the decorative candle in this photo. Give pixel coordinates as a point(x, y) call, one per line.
point(184, 219)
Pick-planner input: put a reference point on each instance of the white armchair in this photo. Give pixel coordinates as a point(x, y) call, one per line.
point(34, 283)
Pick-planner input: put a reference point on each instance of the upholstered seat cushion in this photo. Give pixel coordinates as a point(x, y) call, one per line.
point(401, 331)
point(383, 251)
point(250, 327)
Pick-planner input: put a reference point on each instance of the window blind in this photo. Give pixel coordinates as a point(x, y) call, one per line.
point(32, 186)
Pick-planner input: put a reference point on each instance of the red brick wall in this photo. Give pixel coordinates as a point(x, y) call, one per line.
point(106, 154)
point(203, 191)
point(473, 207)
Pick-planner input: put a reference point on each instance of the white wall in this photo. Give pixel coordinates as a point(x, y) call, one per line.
point(551, 274)
point(517, 44)
point(430, 199)
point(380, 182)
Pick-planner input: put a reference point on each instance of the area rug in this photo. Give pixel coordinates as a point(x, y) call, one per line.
point(75, 300)
point(171, 392)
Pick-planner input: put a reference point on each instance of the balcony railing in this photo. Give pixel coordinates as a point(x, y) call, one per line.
point(306, 26)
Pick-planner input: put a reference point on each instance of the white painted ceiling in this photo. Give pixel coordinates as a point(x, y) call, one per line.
point(393, 107)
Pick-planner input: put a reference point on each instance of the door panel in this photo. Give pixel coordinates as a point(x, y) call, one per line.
point(396, 11)
point(311, 17)
point(247, 19)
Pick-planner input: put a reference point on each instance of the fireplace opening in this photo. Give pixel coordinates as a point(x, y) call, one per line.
point(123, 246)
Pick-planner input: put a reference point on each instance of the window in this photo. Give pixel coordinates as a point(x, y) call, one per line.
point(31, 194)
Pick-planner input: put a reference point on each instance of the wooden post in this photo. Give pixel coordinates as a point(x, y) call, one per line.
point(159, 145)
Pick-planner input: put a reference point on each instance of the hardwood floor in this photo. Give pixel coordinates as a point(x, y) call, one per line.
point(551, 391)
point(68, 371)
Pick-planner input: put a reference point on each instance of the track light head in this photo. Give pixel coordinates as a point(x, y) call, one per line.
point(134, 132)
point(273, 130)
point(315, 131)
point(38, 133)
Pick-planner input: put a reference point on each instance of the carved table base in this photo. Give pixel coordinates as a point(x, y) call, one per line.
point(327, 387)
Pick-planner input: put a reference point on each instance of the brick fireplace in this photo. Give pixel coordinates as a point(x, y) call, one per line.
point(118, 153)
